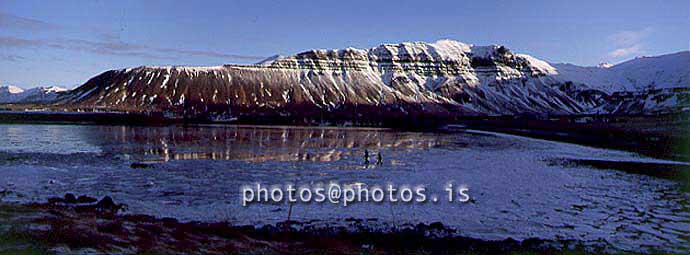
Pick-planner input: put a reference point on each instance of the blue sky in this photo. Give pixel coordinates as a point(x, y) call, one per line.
point(67, 42)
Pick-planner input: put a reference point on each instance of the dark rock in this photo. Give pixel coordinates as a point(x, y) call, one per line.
point(86, 200)
point(437, 225)
point(167, 221)
point(106, 202)
point(139, 218)
point(114, 227)
point(105, 206)
point(70, 198)
point(140, 165)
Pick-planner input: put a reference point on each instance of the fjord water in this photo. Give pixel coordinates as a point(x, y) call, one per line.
point(520, 187)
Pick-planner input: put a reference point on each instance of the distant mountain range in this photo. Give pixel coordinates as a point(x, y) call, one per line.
point(12, 94)
point(642, 73)
point(412, 79)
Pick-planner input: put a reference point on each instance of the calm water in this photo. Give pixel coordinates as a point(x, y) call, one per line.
point(518, 188)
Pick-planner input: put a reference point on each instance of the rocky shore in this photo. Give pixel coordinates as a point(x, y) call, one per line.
point(85, 225)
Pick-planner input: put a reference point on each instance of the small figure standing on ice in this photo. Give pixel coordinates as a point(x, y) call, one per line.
point(366, 157)
point(379, 159)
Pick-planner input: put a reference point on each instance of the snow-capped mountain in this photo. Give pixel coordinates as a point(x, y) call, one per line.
point(12, 94)
point(412, 79)
point(643, 85)
point(642, 73)
point(440, 79)
point(9, 94)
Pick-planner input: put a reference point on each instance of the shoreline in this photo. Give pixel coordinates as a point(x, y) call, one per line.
point(663, 136)
point(64, 225)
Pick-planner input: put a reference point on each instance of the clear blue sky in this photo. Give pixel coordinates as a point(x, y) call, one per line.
point(66, 42)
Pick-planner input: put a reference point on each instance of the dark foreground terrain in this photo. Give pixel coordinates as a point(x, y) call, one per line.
point(85, 225)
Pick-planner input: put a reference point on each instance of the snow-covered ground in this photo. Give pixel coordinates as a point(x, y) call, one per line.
point(517, 189)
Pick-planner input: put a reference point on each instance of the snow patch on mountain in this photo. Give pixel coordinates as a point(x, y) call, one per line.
point(449, 48)
point(540, 65)
point(11, 89)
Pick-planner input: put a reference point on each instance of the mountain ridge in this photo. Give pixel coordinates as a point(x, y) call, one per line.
point(13, 94)
point(671, 70)
point(441, 79)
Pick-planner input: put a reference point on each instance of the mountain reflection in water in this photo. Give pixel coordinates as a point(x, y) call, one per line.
point(251, 143)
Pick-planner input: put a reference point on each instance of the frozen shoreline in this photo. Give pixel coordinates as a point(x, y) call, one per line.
point(523, 188)
point(68, 227)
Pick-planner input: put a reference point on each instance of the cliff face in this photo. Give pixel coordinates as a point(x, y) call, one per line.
point(441, 79)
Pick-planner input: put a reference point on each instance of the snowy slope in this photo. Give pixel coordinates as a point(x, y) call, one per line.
point(665, 71)
point(644, 85)
point(12, 94)
point(412, 78)
point(440, 79)
point(9, 94)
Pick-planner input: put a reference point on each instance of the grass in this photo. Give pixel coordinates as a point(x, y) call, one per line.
point(12, 239)
point(14, 242)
